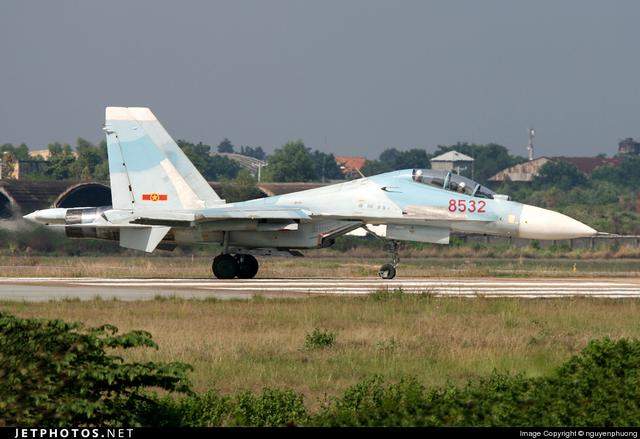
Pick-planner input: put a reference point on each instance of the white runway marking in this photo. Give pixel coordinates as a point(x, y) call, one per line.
point(43, 289)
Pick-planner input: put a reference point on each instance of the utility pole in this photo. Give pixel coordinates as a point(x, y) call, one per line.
point(532, 134)
point(324, 157)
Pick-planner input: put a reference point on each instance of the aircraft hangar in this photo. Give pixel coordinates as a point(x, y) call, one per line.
point(19, 197)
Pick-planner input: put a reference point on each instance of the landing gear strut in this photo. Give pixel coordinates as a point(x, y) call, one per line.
point(242, 266)
point(388, 270)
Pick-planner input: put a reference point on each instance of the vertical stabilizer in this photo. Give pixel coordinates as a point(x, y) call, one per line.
point(148, 170)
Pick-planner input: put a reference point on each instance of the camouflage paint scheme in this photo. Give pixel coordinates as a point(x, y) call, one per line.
point(160, 199)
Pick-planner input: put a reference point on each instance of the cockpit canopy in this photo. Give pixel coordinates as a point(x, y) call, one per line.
point(452, 182)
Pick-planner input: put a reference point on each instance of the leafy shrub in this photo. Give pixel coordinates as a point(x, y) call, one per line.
point(57, 373)
point(270, 408)
point(273, 407)
point(319, 339)
point(598, 387)
point(209, 409)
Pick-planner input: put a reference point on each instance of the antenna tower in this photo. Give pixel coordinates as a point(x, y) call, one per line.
point(532, 134)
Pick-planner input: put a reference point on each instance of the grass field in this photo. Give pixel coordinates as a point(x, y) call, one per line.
point(250, 344)
point(322, 266)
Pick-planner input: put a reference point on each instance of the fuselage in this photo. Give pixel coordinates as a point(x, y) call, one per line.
point(396, 199)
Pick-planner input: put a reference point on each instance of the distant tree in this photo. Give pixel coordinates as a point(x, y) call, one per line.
point(291, 162)
point(375, 167)
point(489, 159)
point(256, 152)
point(101, 171)
point(219, 167)
point(560, 175)
point(20, 152)
point(225, 146)
point(211, 167)
point(10, 154)
point(392, 159)
point(198, 153)
point(325, 166)
point(88, 163)
point(409, 159)
point(61, 162)
point(241, 188)
point(625, 175)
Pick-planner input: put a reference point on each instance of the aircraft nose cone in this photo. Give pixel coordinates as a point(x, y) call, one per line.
point(48, 216)
point(537, 223)
point(32, 216)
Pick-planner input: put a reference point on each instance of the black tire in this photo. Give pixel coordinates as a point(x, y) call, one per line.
point(247, 266)
point(224, 267)
point(387, 271)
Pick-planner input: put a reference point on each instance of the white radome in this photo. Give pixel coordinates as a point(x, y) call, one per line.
point(537, 223)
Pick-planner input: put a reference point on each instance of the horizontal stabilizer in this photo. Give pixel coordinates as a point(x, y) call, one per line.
point(142, 238)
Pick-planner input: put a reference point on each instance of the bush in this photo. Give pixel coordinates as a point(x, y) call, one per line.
point(319, 339)
point(270, 408)
point(598, 387)
point(57, 373)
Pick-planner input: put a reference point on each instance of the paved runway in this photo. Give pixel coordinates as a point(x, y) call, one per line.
point(44, 289)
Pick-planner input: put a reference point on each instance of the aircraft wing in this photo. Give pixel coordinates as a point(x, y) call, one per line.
point(231, 213)
point(156, 217)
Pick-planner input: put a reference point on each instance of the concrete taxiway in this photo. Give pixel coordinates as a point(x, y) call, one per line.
point(45, 289)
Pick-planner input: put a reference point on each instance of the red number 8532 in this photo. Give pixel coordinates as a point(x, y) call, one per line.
point(462, 206)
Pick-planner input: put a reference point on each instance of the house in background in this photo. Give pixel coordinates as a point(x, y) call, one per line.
point(527, 171)
point(522, 172)
point(452, 161)
point(15, 169)
point(350, 166)
point(629, 146)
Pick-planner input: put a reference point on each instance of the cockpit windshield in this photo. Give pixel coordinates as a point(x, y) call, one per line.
point(452, 182)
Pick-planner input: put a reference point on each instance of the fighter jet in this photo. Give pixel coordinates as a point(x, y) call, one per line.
point(160, 200)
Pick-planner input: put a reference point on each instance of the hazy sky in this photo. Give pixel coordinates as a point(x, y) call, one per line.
point(364, 75)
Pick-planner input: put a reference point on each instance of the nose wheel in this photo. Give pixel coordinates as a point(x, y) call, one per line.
point(388, 270)
point(242, 266)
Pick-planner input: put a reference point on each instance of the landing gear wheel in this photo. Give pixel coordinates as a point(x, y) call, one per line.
point(225, 267)
point(247, 266)
point(387, 271)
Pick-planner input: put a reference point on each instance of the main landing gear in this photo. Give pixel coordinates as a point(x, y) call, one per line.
point(242, 266)
point(388, 270)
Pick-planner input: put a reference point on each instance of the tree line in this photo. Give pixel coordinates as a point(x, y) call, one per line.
point(608, 199)
point(292, 162)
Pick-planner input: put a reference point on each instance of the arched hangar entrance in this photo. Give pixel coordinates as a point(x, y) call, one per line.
point(7, 205)
point(85, 195)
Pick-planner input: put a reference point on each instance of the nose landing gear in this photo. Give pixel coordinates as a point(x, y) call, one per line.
point(388, 270)
point(242, 266)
